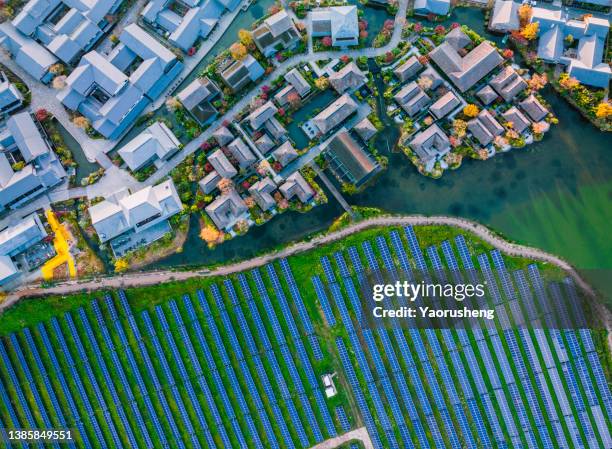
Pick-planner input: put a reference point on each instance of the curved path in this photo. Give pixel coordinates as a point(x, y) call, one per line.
point(155, 277)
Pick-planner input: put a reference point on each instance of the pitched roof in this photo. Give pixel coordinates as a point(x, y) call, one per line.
point(226, 210)
point(349, 158)
point(408, 69)
point(444, 105)
point(223, 135)
point(438, 7)
point(365, 129)
point(261, 192)
point(155, 142)
point(487, 95)
point(505, 15)
point(490, 123)
point(335, 113)
point(430, 144)
point(465, 71)
point(260, 115)
point(347, 78)
point(196, 92)
point(296, 185)
point(518, 120)
point(480, 132)
point(264, 143)
point(241, 152)
point(534, 109)
point(222, 165)
point(295, 78)
point(508, 83)
point(209, 182)
point(285, 153)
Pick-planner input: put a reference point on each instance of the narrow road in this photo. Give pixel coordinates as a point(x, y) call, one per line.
point(338, 195)
point(157, 277)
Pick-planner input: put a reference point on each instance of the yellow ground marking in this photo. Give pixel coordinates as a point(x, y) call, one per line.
point(60, 243)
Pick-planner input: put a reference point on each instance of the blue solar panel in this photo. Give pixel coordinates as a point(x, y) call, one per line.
point(67, 394)
point(327, 269)
point(398, 247)
point(323, 300)
point(359, 395)
point(6, 401)
point(345, 426)
point(415, 249)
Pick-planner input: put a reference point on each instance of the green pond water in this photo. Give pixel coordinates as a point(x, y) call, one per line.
point(317, 101)
point(84, 168)
point(555, 194)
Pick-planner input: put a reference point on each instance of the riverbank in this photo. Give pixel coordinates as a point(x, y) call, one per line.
point(159, 285)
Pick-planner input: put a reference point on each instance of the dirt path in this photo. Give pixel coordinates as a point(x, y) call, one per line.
point(156, 277)
point(360, 434)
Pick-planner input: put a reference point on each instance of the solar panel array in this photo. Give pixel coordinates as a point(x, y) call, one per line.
point(245, 369)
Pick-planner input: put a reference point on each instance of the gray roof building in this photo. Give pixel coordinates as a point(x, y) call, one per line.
point(276, 31)
point(434, 76)
point(445, 105)
point(534, 109)
point(339, 22)
point(437, 7)
point(408, 69)
point(296, 185)
point(112, 91)
point(519, 122)
point(262, 191)
point(487, 95)
point(348, 78)
point(21, 143)
point(209, 182)
point(241, 152)
point(156, 143)
point(485, 128)
point(125, 211)
point(66, 28)
point(10, 97)
point(226, 210)
point(490, 123)
point(412, 98)
point(465, 71)
point(505, 16)
point(276, 128)
point(431, 145)
point(262, 114)
point(237, 74)
point(197, 98)
point(264, 143)
point(299, 83)
point(281, 97)
point(508, 83)
point(365, 129)
point(16, 239)
point(285, 153)
point(349, 160)
point(32, 57)
point(223, 135)
point(335, 113)
point(222, 165)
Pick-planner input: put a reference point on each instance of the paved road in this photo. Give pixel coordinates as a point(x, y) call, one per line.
point(156, 277)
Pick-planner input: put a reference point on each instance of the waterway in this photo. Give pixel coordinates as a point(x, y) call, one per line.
point(555, 194)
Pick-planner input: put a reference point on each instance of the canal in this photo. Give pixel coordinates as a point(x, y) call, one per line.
point(555, 194)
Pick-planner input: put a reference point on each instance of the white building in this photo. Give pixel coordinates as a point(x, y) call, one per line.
point(339, 22)
point(156, 144)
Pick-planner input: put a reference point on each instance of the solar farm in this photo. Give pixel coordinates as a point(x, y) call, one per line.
point(239, 363)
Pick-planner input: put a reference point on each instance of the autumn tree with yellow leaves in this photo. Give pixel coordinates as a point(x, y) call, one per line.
point(524, 12)
point(322, 83)
point(471, 110)
point(238, 51)
point(530, 31)
point(604, 110)
point(245, 37)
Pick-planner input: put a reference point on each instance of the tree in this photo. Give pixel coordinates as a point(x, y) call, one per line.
point(210, 234)
point(41, 114)
point(294, 99)
point(121, 265)
point(424, 59)
point(389, 56)
point(59, 82)
point(245, 37)
point(225, 186)
point(569, 39)
point(327, 41)
point(459, 128)
point(238, 51)
point(439, 30)
point(507, 53)
point(81, 122)
point(363, 34)
point(471, 110)
point(568, 82)
point(604, 110)
point(322, 83)
point(425, 82)
point(273, 9)
point(524, 12)
point(537, 82)
point(345, 59)
point(172, 104)
point(57, 69)
point(530, 32)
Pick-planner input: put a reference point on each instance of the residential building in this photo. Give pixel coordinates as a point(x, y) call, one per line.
point(156, 144)
point(430, 146)
point(210, 182)
point(412, 98)
point(282, 96)
point(285, 153)
point(534, 109)
point(437, 7)
point(505, 16)
point(241, 152)
point(508, 83)
point(275, 128)
point(14, 240)
point(434, 77)
point(66, 28)
point(349, 161)
point(264, 143)
point(445, 105)
point(348, 79)
point(112, 91)
point(487, 95)
point(335, 113)
point(28, 165)
point(296, 185)
point(465, 71)
point(223, 135)
point(262, 191)
point(125, 212)
point(10, 97)
point(299, 83)
point(183, 23)
point(586, 63)
point(519, 122)
point(275, 33)
point(197, 98)
point(237, 74)
point(339, 22)
point(485, 128)
point(262, 114)
point(222, 165)
point(408, 69)
point(32, 57)
point(226, 210)
point(366, 129)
